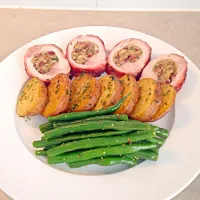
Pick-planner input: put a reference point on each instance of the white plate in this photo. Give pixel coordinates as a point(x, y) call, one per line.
point(24, 177)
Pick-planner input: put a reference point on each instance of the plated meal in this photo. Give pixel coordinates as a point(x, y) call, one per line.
point(123, 116)
point(100, 104)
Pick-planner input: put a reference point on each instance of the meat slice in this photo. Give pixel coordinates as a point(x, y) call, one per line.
point(129, 56)
point(168, 68)
point(45, 61)
point(86, 54)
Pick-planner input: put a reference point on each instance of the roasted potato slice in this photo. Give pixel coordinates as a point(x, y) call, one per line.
point(32, 99)
point(85, 91)
point(149, 100)
point(130, 86)
point(111, 89)
point(168, 100)
point(58, 95)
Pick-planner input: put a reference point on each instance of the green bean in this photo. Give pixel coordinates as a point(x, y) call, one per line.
point(116, 117)
point(99, 152)
point(157, 140)
point(93, 126)
point(83, 115)
point(46, 126)
point(143, 154)
point(106, 161)
point(99, 142)
point(47, 143)
point(161, 132)
point(41, 152)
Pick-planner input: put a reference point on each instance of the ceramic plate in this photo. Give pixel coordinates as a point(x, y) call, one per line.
point(26, 177)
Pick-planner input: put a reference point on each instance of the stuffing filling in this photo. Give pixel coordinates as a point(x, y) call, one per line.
point(83, 51)
point(166, 70)
point(44, 61)
point(130, 53)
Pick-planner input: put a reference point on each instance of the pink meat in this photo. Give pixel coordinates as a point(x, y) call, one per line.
point(181, 64)
point(61, 67)
point(133, 68)
point(95, 65)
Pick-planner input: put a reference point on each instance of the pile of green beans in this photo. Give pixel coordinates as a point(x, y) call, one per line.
point(98, 137)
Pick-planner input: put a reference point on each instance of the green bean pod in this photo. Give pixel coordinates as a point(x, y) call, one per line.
point(41, 152)
point(46, 126)
point(99, 152)
point(99, 142)
point(105, 161)
point(116, 117)
point(161, 132)
point(144, 154)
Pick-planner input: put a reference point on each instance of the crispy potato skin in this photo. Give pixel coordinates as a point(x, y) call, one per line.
point(149, 100)
point(58, 95)
point(130, 86)
point(85, 91)
point(32, 99)
point(111, 90)
point(168, 100)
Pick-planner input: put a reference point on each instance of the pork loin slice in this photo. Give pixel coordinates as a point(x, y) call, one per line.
point(45, 62)
point(131, 62)
point(86, 54)
point(167, 68)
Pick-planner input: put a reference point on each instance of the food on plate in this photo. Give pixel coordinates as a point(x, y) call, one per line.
point(82, 115)
point(168, 100)
point(168, 68)
point(130, 86)
point(58, 95)
point(111, 89)
point(32, 99)
point(84, 93)
point(86, 54)
point(45, 61)
point(129, 56)
point(100, 121)
point(149, 100)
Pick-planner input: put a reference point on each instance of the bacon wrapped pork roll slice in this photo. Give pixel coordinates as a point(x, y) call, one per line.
point(129, 56)
point(45, 62)
point(168, 68)
point(86, 54)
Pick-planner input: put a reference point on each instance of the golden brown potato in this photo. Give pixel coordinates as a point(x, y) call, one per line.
point(58, 95)
point(149, 100)
point(130, 86)
point(85, 91)
point(111, 89)
point(168, 99)
point(32, 99)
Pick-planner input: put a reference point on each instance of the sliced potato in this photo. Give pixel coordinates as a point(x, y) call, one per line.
point(149, 100)
point(58, 95)
point(85, 91)
point(168, 100)
point(111, 89)
point(130, 86)
point(32, 99)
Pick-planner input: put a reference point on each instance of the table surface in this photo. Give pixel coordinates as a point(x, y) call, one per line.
point(181, 29)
